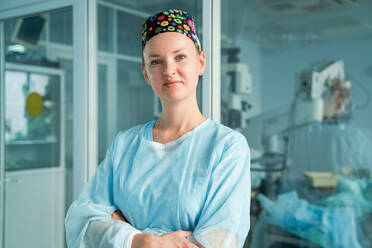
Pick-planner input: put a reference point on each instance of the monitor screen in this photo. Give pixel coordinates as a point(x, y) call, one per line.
point(28, 30)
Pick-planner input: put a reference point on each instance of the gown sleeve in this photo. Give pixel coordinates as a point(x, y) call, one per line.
point(225, 216)
point(88, 221)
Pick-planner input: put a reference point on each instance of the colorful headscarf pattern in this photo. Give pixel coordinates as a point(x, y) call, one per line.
point(172, 20)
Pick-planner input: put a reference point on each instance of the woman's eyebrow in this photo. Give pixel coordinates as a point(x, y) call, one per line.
point(178, 50)
point(175, 51)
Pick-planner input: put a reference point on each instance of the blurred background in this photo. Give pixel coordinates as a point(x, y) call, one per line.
point(294, 76)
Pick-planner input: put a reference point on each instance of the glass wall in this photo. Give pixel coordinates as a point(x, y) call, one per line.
point(38, 128)
point(125, 99)
point(296, 81)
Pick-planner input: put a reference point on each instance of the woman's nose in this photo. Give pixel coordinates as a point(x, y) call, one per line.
point(169, 68)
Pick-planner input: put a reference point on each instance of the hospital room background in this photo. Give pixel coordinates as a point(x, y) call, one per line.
point(294, 76)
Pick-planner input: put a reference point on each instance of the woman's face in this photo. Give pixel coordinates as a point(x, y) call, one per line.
point(172, 66)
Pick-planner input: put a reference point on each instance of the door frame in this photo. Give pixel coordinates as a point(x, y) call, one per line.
point(111, 65)
point(212, 48)
point(2, 136)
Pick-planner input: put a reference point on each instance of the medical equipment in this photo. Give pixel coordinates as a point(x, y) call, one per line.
point(328, 83)
point(265, 127)
point(325, 96)
point(316, 86)
point(236, 86)
point(241, 78)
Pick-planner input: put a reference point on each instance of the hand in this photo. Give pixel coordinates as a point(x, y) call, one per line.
point(176, 239)
point(117, 215)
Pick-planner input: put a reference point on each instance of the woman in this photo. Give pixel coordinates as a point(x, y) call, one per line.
point(180, 181)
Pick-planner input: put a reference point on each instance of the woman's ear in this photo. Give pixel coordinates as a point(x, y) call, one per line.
point(202, 60)
point(145, 75)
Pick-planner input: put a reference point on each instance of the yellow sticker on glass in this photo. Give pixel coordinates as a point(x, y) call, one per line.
point(34, 104)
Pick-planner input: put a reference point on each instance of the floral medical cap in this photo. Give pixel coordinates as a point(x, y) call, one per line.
point(172, 20)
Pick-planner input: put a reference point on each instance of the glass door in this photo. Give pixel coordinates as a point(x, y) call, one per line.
point(296, 81)
point(34, 157)
point(36, 128)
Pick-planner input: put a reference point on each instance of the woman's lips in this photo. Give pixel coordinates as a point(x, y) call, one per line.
point(171, 83)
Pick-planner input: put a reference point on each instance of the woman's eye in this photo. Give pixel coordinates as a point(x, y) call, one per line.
point(180, 57)
point(155, 62)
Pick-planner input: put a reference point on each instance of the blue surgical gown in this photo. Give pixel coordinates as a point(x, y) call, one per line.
point(199, 182)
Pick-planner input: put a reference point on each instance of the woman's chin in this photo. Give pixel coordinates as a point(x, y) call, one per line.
point(174, 97)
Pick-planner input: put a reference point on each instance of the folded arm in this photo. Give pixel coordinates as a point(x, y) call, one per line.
point(225, 217)
point(88, 221)
point(174, 239)
point(224, 221)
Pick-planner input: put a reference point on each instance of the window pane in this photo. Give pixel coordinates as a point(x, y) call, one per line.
point(129, 33)
point(105, 20)
point(33, 131)
point(306, 118)
point(60, 27)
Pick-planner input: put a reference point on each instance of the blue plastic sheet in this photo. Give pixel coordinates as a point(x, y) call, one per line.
point(326, 226)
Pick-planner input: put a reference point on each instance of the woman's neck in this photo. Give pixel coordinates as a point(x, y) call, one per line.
point(179, 118)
